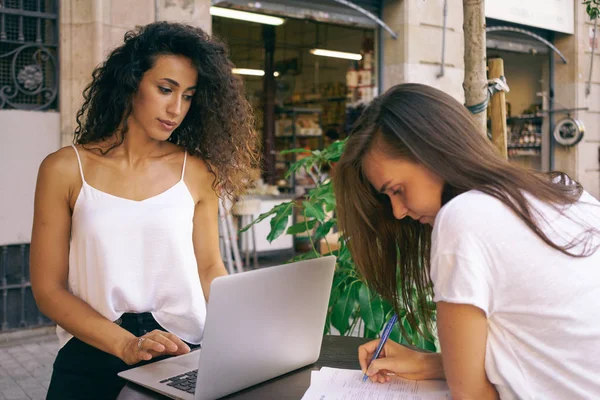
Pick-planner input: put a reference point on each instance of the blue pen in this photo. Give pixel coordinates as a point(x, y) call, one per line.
point(384, 337)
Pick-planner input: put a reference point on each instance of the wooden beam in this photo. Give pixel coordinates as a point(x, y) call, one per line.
point(498, 109)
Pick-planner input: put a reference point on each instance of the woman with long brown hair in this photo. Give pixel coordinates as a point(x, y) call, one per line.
point(510, 257)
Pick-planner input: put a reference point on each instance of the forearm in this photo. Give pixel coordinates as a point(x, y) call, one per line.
point(434, 368)
point(82, 321)
point(207, 275)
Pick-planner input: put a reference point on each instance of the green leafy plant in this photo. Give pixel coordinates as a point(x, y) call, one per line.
point(592, 7)
point(353, 306)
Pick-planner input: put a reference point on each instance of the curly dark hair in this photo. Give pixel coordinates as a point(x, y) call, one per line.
point(219, 126)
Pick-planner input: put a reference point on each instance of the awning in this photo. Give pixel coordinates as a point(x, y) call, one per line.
point(361, 13)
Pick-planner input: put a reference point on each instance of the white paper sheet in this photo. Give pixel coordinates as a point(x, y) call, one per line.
point(347, 384)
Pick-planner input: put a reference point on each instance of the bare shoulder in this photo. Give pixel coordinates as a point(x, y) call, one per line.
point(60, 169)
point(62, 162)
point(199, 178)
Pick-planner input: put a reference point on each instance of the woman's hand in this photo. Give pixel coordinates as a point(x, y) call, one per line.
point(152, 344)
point(399, 360)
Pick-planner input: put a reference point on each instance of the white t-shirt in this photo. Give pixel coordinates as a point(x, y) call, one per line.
point(543, 307)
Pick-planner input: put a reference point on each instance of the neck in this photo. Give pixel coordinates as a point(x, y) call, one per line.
point(137, 146)
point(448, 193)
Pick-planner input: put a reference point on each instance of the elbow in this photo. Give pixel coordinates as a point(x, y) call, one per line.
point(40, 298)
point(44, 297)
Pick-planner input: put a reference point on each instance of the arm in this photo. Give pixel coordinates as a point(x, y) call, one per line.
point(49, 264)
point(206, 226)
point(206, 241)
point(462, 332)
point(405, 361)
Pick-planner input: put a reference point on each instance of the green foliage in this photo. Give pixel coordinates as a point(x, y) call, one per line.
point(353, 306)
point(592, 7)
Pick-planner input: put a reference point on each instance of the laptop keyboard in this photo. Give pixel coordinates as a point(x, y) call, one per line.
point(185, 382)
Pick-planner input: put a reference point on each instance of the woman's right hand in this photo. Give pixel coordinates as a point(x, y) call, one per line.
point(399, 360)
point(152, 344)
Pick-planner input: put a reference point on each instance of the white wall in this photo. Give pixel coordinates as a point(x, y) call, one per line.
point(26, 137)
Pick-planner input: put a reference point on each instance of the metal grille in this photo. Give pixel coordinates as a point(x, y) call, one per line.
point(17, 305)
point(28, 54)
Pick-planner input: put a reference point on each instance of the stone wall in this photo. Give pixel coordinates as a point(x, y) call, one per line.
point(416, 55)
point(581, 161)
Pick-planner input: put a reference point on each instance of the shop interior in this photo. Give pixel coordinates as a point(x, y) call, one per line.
point(317, 97)
point(526, 68)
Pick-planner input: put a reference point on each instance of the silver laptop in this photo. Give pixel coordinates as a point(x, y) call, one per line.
point(260, 324)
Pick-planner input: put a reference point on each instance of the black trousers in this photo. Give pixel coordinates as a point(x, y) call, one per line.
point(82, 372)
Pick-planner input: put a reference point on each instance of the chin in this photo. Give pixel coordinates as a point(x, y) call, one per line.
point(160, 136)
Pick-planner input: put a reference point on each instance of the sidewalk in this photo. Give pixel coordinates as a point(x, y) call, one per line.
point(26, 366)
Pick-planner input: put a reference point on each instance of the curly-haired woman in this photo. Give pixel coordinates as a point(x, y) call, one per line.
point(125, 240)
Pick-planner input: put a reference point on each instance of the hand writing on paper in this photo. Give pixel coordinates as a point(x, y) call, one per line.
point(153, 344)
point(399, 360)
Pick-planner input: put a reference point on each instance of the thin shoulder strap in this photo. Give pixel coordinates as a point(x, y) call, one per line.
point(184, 160)
point(79, 162)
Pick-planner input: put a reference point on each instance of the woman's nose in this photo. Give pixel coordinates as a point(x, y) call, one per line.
point(399, 209)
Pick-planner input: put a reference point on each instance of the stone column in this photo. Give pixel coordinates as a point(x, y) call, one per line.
point(581, 161)
point(193, 12)
point(416, 56)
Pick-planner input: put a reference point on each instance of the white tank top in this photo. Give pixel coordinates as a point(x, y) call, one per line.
point(129, 256)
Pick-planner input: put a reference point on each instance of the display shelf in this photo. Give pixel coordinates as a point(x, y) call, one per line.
point(315, 101)
point(525, 117)
point(524, 147)
point(298, 119)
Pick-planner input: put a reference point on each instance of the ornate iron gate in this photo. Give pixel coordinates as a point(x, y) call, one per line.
point(28, 54)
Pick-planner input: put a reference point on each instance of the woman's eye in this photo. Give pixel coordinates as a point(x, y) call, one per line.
point(188, 97)
point(164, 89)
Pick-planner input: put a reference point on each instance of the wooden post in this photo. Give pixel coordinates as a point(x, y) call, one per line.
point(498, 109)
point(475, 82)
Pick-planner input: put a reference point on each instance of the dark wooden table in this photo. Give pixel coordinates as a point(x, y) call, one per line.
point(336, 351)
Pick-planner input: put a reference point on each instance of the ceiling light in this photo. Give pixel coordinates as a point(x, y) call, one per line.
point(336, 54)
point(245, 16)
point(252, 72)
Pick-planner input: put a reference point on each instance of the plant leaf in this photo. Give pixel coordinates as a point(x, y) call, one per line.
point(371, 309)
point(313, 211)
point(306, 256)
point(323, 229)
point(395, 334)
point(280, 221)
point(369, 334)
point(290, 151)
point(300, 227)
point(259, 219)
point(343, 308)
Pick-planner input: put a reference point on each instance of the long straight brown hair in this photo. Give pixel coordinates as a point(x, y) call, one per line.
point(429, 127)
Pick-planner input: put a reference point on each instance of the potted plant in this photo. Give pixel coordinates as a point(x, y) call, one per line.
point(354, 309)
